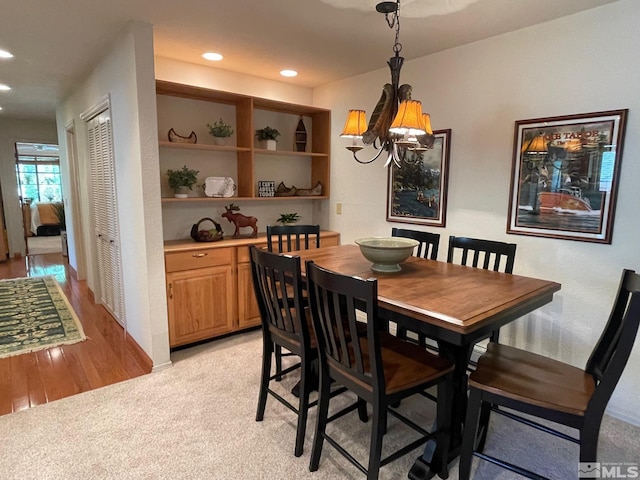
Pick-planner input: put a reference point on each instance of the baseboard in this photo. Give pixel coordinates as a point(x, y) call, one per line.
point(612, 412)
point(72, 272)
point(162, 366)
point(139, 352)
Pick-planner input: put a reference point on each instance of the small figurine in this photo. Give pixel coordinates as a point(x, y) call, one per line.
point(240, 220)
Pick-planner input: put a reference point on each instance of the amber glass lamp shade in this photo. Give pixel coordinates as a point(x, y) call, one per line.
point(408, 121)
point(355, 126)
point(536, 145)
point(426, 122)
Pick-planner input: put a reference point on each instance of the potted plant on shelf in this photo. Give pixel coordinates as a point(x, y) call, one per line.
point(269, 136)
point(288, 218)
point(220, 131)
point(181, 180)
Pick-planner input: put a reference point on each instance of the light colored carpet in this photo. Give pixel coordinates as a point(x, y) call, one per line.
point(40, 245)
point(196, 420)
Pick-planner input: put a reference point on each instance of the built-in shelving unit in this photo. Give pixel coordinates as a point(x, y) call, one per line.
point(188, 108)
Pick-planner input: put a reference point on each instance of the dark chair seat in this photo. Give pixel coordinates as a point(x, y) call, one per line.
point(534, 379)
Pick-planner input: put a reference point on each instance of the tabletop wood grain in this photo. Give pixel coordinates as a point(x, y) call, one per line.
point(458, 297)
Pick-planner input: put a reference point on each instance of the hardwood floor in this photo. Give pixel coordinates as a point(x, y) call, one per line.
point(106, 357)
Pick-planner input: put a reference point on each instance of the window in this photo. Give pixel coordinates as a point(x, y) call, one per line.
point(38, 172)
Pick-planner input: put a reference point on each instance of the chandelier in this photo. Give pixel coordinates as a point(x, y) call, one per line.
point(397, 125)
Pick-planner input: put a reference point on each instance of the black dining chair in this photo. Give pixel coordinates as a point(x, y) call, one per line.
point(548, 389)
point(486, 254)
point(429, 242)
point(286, 238)
point(285, 323)
point(379, 368)
point(427, 248)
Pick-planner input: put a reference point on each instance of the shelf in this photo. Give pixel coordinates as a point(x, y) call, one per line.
point(203, 146)
point(287, 153)
point(252, 163)
point(242, 199)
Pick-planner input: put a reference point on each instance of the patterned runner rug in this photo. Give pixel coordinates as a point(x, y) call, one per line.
point(34, 315)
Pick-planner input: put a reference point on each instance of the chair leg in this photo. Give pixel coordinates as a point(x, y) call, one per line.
point(589, 441)
point(495, 336)
point(303, 405)
point(278, 362)
point(324, 394)
point(378, 429)
point(469, 437)
point(483, 427)
point(362, 411)
point(267, 350)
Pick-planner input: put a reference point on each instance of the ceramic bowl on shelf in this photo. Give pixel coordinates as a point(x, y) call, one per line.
point(386, 253)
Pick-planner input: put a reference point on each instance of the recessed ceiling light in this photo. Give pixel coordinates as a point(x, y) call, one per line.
point(5, 54)
point(288, 73)
point(216, 57)
point(4, 87)
point(0, 108)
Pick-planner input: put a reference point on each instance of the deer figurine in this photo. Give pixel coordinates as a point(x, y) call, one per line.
point(240, 220)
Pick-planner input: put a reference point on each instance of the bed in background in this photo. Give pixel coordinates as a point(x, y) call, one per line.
point(44, 221)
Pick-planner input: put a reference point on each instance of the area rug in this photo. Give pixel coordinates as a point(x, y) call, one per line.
point(34, 315)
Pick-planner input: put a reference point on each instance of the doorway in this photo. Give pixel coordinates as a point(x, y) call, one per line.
point(40, 193)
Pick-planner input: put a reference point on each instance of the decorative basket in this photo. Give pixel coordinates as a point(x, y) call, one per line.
point(206, 235)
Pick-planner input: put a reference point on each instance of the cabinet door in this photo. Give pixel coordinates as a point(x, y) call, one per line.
point(200, 304)
point(248, 312)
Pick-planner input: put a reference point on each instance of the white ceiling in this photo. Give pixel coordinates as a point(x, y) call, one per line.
point(57, 42)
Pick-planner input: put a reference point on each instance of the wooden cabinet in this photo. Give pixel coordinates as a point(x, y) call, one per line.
point(187, 108)
point(200, 293)
point(210, 289)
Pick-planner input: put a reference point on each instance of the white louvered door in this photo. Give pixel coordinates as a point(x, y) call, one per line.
point(104, 202)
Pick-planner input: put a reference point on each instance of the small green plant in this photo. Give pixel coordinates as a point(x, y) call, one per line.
point(220, 129)
point(286, 218)
point(184, 177)
point(267, 133)
point(58, 210)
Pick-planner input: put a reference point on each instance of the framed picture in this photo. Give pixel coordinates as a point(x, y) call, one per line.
point(417, 192)
point(565, 175)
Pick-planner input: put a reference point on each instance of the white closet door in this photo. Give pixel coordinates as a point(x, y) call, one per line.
point(104, 201)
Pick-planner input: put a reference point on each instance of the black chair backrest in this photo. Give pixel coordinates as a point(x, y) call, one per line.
point(611, 353)
point(429, 242)
point(336, 302)
point(278, 287)
point(483, 251)
point(292, 237)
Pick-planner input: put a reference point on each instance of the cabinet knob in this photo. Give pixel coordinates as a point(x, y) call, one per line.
point(199, 255)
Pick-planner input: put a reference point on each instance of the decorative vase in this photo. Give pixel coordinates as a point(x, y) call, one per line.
point(301, 136)
point(270, 144)
point(220, 140)
point(181, 192)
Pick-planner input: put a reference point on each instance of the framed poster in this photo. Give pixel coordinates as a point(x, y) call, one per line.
point(417, 192)
point(565, 175)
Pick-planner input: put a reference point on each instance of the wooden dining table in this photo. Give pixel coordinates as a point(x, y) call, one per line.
point(455, 305)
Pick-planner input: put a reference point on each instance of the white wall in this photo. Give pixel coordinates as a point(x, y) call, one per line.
point(126, 73)
point(582, 63)
point(12, 131)
point(217, 79)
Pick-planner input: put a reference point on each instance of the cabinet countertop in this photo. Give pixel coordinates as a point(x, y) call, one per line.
point(187, 244)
